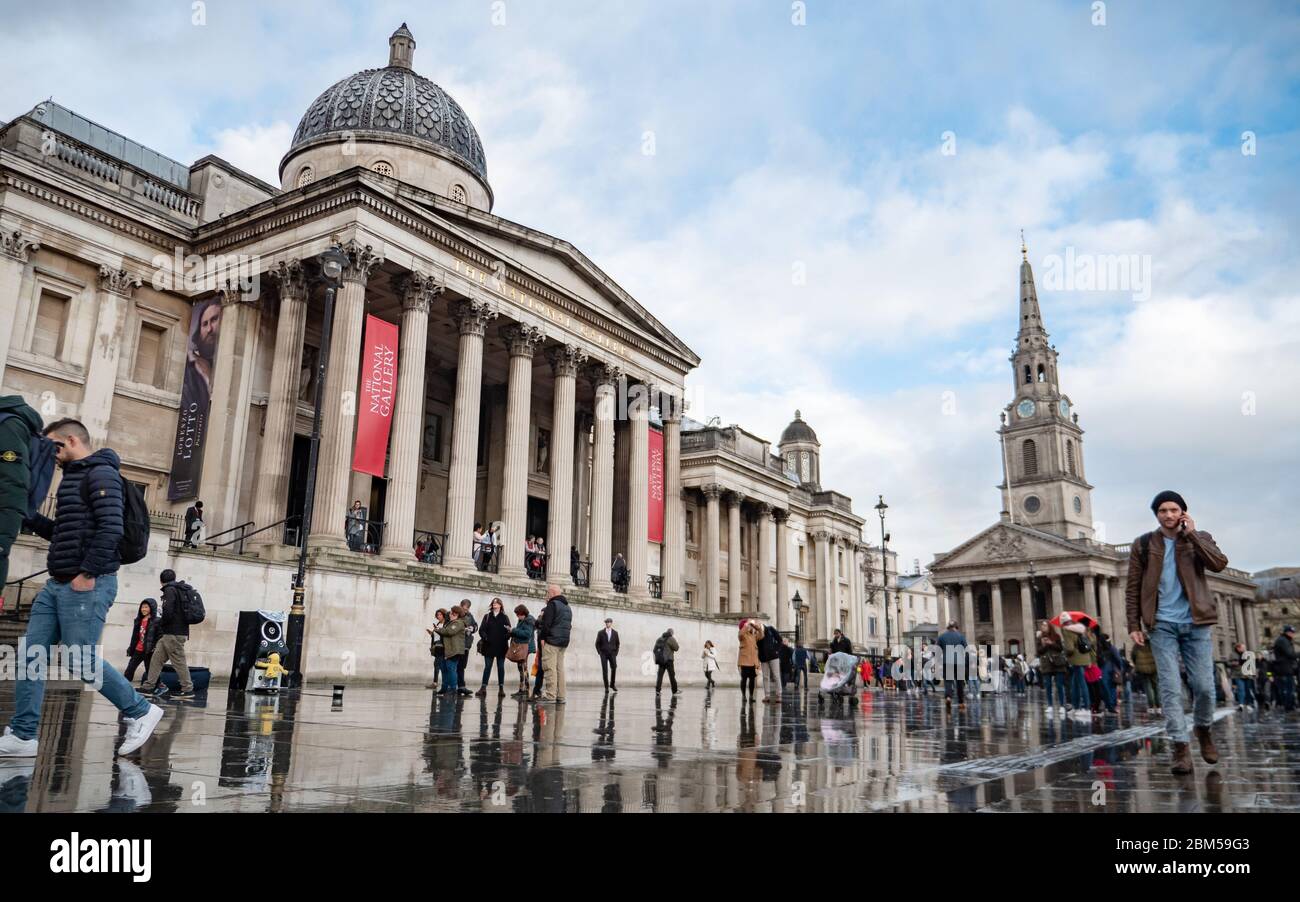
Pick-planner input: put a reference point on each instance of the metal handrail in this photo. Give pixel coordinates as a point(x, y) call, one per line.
point(580, 573)
point(535, 564)
point(656, 584)
point(434, 545)
point(13, 614)
point(372, 539)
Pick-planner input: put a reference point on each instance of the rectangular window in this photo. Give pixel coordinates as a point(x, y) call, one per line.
point(148, 355)
point(51, 316)
point(871, 625)
point(801, 566)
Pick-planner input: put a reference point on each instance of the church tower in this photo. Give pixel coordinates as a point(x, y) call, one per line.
point(1043, 483)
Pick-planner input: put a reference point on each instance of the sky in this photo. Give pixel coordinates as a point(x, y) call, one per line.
point(824, 201)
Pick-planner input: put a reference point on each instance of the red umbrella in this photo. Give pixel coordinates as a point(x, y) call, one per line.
point(1077, 617)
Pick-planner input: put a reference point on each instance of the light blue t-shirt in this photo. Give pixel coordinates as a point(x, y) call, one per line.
point(1172, 605)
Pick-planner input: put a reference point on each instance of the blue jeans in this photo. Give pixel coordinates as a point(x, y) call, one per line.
point(501, 670)
point(1195, 645)
point(1056, 679)
point(61, 616)
point(1108, 687)
point(450, 674)
point(1079, 697)
point(1286, 691)
point(1245, 690)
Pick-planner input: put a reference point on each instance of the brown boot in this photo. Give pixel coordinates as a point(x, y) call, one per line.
point(1182, 759)
point(1208, 751)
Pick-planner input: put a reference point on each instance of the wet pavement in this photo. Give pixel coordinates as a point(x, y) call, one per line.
point(403, 749)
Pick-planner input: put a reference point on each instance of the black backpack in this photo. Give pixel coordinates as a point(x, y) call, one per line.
point(661, 650)
point(134, 544)
point(191, 604)
point(40, 460)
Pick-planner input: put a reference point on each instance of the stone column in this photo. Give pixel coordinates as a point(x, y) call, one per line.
point(766, 607)
point(565, 360)
point(968, 612)
point(999, 633)
point(733, 553)
point(856, 621)
point(712, 554)
point(471, 318)
point(1090, 596)
point(521, 342)
point(673, 566)
point(276, 453)
point(1239, 620)
point(784, 612)
point(1107, 614)
point(115, 289)
point(605, 377)
point(339, 404)
point(229, 412)
point(417, 292)
point(581, 530)
point(638, 496)
point(1026, 618)
point(1058, 596)
point(1119, 612)
point(15, 251)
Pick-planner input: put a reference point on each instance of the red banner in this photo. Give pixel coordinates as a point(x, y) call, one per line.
point(378, 391)
point(656, 490)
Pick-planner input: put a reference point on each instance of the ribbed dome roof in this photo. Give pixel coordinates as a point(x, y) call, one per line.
point(394, 100)
point(798, 431)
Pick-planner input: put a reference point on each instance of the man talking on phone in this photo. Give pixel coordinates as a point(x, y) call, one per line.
point(1168, 601)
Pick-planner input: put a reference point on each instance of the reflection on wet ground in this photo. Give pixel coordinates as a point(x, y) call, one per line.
point(402, 749)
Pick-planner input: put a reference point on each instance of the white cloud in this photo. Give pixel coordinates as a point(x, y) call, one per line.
point(257, 149)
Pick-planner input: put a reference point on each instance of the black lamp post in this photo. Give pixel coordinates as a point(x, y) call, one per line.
point(332, 263)
point(881, 507)
point(799, 607)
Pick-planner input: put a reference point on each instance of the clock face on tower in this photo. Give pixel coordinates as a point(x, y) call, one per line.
point(1025, 408)
point(1064, 407)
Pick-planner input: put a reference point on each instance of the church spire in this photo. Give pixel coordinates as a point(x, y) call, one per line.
point(1031, 317)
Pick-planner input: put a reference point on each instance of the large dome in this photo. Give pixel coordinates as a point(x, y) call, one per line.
point(798, 431)
point(394, 101)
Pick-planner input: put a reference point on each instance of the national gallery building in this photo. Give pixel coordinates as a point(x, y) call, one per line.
point(484, 383)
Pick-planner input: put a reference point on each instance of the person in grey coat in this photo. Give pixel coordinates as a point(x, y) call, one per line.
point(666, 649)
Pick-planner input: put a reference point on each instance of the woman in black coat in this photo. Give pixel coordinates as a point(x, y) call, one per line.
point(144, 635)
point(494, 637)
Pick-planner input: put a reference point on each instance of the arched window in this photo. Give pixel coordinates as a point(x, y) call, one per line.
point(306, 176)
point(458, 194)
point(1069, 457)
point(1029, 452)
point(1042, 373)
point(1029, 379)
point(383, 167)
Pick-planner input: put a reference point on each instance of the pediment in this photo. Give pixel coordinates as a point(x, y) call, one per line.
point(1005, 542)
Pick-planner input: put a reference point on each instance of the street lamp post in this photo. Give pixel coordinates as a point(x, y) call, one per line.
point(799, 608)
point(881, 507)
point(332, 262)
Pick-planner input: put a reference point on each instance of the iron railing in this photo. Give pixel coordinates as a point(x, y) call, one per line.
point(656, 586)
point(12, 613)
point(580, 573)
point(369, 539)
point(429, 546)
point(535, 564)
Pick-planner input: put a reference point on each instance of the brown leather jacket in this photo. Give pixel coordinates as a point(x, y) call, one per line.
point(1194, 552)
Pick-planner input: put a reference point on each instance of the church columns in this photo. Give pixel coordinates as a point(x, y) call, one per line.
point(766, 608)
point(114, 297)
point(967, 612)
point(999, 633)
point(1058, 597)
point(1238, 619)
point(602, 479)
point(1026, 618)
point(338, 407)
point(638, 501)
point(521, 341)
point(1119, 614)
point(1106, 612)
point(733, 553)
point(565, 361)
point(783, 610)
point(1090, 596)
point(276, 452)
point(673, 558)
point(712, 556)
point(471, 319)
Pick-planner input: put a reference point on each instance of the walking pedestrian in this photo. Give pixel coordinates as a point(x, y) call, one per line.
point(1052, 666)
point(748, 659)
point(710, 657)
point(194, 526)
point(1242, 664)
point(453, 644)
point(787, 662)
point(174, 623)
point(1080, 655)
point(1108, 660)
point(554, 629)
point(954, 657)
point(83, 560)
point(1284, 667)
point(494, 637)
point(769, 661)
point(1144, 662)
point(1167, 594)
point(800, 666)
point(523, 644)
point(665, 651)
point(26, 470)
point(144, 636)
point(607, 648)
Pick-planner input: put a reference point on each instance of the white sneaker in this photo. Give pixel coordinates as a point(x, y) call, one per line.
point(1049, 711)
point(132, 785)
point(140, 729)
point(13, 747)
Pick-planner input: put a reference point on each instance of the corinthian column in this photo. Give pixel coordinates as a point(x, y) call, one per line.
point(15, 250)
point(733, 553)
point(417, 292)
point(1026, 618)
point(602, 476)
point(999, 630)
point(674, 551)
point(521, 341)
point(276, 453)
point(638, 502)
point(339, 403)
point(1090, 596)
point(565, 360)
point(712, 556)
point(471, 319)
point(783, 611)
point(764, 594)
point(115, 289)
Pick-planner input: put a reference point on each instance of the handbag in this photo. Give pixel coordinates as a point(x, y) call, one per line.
point(1083, 646)
point(481, 647)
point(1092, 673)
point(517, 652)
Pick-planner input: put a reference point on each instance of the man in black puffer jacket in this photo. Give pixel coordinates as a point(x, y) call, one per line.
point(74, 603)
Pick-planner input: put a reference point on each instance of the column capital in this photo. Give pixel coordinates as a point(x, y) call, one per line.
point(764, 509)
point(16, 246)
point(822, 535)
point(566, 359)
point(290, 277)
point(522, 340)
point(734, 498)
point(471, 316)
point(231, 294)
point(119, 281)
point(362, 259)
point(781, 514)
point(601, 374)
point(712, 491)
point(418, 290)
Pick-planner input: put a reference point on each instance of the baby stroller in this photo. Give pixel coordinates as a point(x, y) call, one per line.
point(840, 676)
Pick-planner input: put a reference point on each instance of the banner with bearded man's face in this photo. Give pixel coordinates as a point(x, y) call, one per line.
point(196, 398)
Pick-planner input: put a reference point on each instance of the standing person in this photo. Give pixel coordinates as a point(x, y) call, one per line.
point(1108, 660)
point(748, 659)
point(955, 661)
point(22, 473)
point(787, 663)
point(710, 657)
point(574, 560)
point(554, 629)
point(453, 643)
point(800, 666)
point(174, 624)
point(494, 636)
point(1080, 655)
point(840, 642)
point(524, 633)
point(356, 526)
point(144, 636)
point(478, 548)
point(665, 650)
point(1167, 594)
point(1242, 663)
point(1052, 665)
point(618, 573)
point(607, 649)
point(769, 661)
point(462, 661)
point(70, 609)
point(1144, 662)
point(436, 648)
point(1284, 667)
point(193, 523)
